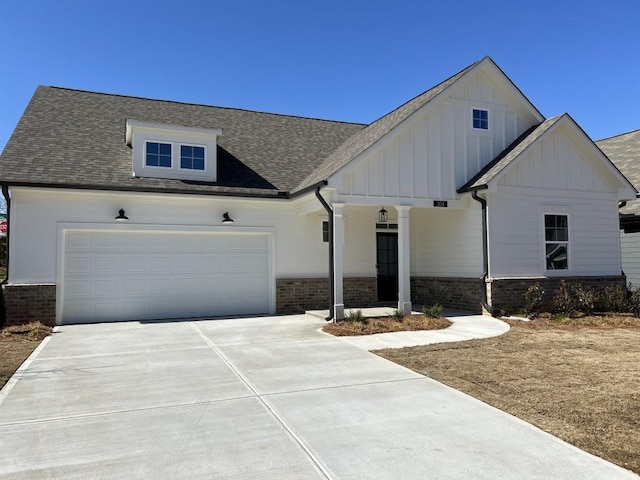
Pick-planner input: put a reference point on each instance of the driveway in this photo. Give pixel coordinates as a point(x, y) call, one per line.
point(263, 398)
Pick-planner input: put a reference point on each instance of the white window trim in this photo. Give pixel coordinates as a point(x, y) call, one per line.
point(488, 119)
point(558, 273)
point(138, 134)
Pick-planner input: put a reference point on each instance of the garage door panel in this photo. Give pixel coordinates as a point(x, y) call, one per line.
point(153, 275)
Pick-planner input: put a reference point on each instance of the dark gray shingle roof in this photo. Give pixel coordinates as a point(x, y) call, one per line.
point(369, 135)
point(624, 151)
point(494, 167)
point(77, 138)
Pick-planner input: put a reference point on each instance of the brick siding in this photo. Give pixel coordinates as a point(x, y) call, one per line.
point(30, 303)
point(508, 294)
point(451, 292)
point(296, 295)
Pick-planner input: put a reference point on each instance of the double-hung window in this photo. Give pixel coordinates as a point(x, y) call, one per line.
point(191, 157)
point(556, 241)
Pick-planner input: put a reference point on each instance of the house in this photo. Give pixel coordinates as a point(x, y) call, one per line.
point(624, 152)
point(124, 208)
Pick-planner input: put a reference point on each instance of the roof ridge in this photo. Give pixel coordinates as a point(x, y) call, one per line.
point(79, 90)
point(618, 135)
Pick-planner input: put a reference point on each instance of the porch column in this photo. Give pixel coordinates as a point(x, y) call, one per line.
point(338, 307)
point(404, 266)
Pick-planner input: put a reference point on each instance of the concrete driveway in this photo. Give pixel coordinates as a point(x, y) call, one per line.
point(263, 398)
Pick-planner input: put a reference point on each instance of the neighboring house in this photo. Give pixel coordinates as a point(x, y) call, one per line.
point(124, 208)
point(624, 152)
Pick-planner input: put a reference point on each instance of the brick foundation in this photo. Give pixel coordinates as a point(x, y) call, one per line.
point(508, 294)
point(452, 292)
point(296, 295)
point(30, 303)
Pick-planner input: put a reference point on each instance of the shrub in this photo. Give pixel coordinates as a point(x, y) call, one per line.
point(397, 315)
point(563, 301)
point(634, 302)
point(533, 300)
point(435, 311)
point(585, 300)
point(355, 316)
point(614, 298)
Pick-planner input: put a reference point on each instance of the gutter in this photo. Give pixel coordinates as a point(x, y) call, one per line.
point(331, 269)
point(7, 199)
point(485, 253)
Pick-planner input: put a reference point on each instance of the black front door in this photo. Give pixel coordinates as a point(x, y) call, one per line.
point(387, 257)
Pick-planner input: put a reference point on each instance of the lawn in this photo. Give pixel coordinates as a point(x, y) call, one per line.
point(578, 379)
point(16, 344)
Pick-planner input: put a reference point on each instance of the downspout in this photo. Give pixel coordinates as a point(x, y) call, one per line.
point(485, 254)
point(329, 210)
point(7, 200)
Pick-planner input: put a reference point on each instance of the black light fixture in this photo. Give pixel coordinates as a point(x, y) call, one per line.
point(382, 215)
point(121, 216)
point(226, 218)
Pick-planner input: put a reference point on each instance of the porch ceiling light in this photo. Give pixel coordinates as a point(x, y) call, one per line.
point(226, 218)
point(121, 216)
point(382, 215)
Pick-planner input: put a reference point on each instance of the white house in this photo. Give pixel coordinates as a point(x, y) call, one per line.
point(124, 208)
point(624, 152)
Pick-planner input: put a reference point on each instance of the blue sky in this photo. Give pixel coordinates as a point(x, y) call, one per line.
point(348, 60)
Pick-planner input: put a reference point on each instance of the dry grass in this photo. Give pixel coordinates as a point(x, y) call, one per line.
point(578, 379)
point(16, 344)
point(368, 326)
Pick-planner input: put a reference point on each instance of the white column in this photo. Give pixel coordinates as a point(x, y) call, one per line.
point(404, 266)
point(338, 227)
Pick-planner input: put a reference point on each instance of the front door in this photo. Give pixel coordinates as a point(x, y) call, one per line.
point(387, 258)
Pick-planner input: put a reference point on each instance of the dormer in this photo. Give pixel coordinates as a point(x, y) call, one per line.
point(172, 151)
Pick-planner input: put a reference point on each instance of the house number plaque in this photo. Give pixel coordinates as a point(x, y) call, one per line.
point(440, 203)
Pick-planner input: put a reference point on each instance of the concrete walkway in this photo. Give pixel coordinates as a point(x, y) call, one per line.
point(466, 326)
point(267, 398)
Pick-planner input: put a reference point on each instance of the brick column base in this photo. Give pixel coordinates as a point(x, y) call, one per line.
point(30, 303)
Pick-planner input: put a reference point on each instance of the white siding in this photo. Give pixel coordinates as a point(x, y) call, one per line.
point(446, 242)
point(631, 257)
point(516, 234)
point(436, 150)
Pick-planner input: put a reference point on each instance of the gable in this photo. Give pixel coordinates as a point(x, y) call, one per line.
point(564, 159)
point(436, 149)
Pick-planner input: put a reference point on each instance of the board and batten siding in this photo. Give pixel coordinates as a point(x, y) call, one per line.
point(446, 242)
point(436, 150)
point(630, 246)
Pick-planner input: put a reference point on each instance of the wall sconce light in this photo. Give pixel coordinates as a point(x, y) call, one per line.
point(226, 218)
point(382, 215)
point(121, 216)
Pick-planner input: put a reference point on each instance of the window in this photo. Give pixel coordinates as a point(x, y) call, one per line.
point(191, 158)
point(556, 240)
point(325, 231)
point(158, 154)
point(480, 119)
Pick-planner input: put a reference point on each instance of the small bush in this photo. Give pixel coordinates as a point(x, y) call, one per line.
point(634, 302)
point(563, 301)
point(614, 298)
point(533, 300)
point(435, 311)
point(560, 318)
point(585, 300)
point(397, 315)
point(355, 316)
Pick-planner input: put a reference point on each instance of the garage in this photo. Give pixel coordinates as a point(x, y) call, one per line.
point(146, 275)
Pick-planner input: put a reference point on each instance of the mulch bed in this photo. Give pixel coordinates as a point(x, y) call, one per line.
point(369, 326)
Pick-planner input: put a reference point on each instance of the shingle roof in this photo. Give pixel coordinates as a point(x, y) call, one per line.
point(369, 135)
point(504, 159)
point(77, 138)
point(624, 151)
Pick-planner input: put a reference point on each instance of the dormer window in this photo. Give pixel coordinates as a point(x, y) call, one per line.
point(158, 154)
point(172, 151)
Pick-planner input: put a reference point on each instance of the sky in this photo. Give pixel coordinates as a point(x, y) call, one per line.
point(348, 60)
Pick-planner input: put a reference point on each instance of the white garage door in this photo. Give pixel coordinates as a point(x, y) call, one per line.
point(111, 275)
